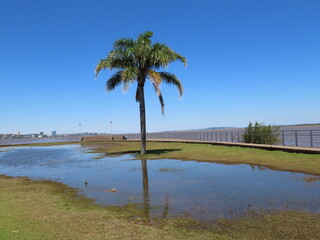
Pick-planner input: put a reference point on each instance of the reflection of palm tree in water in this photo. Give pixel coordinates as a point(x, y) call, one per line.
point(146, 197)
point(166, 207)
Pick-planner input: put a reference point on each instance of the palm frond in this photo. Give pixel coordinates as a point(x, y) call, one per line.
point(158, 91)
point(126, 85)
point(130, 73)
point(124, 43)
point(181, 59)
point(113, 62)
point(128, 76)
point(114, 81)
point(143, 48)
point(161, 55)
point(154, 76)
point(120, 59)
point(122, 56)
point(100, 66)
point(170, 78)
point(145, 39)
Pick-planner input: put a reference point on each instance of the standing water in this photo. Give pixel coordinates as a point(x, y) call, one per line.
point(174, 187)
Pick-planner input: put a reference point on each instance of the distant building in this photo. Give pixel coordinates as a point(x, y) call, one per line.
point(54, 133)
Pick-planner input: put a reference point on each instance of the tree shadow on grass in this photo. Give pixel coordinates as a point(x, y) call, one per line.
point(151, 151)
point(162, 151)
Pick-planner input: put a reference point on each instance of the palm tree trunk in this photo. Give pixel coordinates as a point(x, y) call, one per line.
point(142, 119)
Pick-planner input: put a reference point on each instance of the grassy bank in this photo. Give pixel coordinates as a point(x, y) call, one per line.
point(48, 210)
point(306, 163)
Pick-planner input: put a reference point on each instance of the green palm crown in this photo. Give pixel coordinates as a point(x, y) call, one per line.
point(138, 60)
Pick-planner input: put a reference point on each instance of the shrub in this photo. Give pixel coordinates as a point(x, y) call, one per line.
point(261, 134)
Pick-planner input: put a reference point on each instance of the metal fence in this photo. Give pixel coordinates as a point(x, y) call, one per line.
point(301, 138)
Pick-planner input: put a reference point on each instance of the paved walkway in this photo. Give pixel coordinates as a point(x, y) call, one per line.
point(249, 145)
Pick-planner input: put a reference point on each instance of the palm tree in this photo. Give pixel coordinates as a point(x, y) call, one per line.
point(138, 60)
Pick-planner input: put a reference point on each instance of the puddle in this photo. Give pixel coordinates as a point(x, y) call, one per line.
point(205, 191)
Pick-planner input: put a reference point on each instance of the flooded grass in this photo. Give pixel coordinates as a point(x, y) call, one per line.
point(167, 199)
point(166, 169)
point(49, 210)
point(312, 179)
point(201, 190)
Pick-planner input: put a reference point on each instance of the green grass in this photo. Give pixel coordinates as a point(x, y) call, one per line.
point(298, 162)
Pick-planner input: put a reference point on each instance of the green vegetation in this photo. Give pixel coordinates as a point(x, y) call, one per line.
point(165, 169)
point(306, 163)
point(261, 134)
point(136, 61)
point(48, 210)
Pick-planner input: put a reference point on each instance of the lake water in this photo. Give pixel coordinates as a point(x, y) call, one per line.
point(16, 141)
point(205, 191)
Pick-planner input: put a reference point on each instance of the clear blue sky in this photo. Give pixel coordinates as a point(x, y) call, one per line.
point(248, 60)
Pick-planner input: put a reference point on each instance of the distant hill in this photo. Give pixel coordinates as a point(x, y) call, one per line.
point(217, 128)
point(204, 129)
point(299, 125)
point(309, 126)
